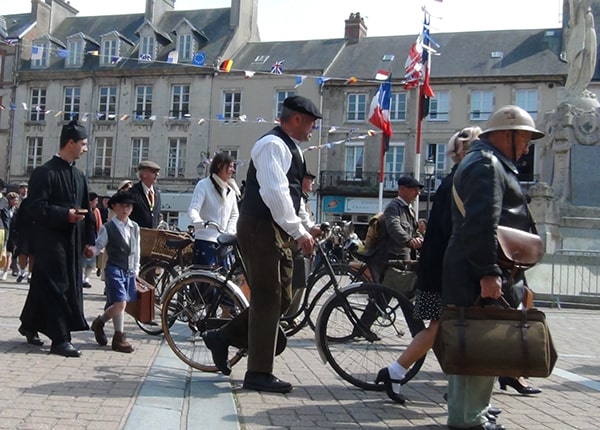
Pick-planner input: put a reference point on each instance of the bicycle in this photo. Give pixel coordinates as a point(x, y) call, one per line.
point(160, 272)
point(200, 300)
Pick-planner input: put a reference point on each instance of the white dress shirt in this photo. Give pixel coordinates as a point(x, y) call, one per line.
point(130, 234)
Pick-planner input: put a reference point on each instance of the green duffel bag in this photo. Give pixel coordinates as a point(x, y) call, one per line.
point(400, 280)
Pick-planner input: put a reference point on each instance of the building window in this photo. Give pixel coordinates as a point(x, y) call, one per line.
point(75, 48)
point(143, 102)
point(71, 103)
point(233, 153)
point(107, 104)
point(394, 166)
point(38, 104)
point(280, 97)
point(34, 153)
point(110, 52)
point(180, 101)
point(140, 148)
point(482, 105)
point(176, 157)
point(146, 49)
point(232, 104)
point(357, 107)
point(528, 100)
point(39, 55)
point(439, 106)
point(103, 156)
point(184, 48)
point(398, 107)
point(353, 162)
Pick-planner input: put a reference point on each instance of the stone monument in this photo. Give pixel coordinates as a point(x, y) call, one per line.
point(567, 198)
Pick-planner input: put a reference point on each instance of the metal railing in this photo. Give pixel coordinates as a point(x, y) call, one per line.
point(575, 275)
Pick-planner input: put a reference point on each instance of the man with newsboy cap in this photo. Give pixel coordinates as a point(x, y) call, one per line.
point(271, 218)
point(63, 227)
point(147, 208)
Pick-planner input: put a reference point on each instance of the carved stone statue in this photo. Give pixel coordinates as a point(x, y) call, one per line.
point(581, 49)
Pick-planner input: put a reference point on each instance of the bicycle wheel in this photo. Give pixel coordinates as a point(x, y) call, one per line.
point(194, 305)
point(160, 274)
point(364, 328)
point(321, 286)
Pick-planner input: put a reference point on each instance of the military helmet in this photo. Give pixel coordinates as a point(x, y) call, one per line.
point(512, 118)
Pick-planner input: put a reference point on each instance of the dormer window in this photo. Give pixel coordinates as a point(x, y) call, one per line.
point(39, 55)
point(109, 54)
point(185, 47)
point(75, 50)
point(147, 48)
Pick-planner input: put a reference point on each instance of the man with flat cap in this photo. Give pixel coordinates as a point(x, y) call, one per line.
point(63, 227)
point(147, 208)
point(271, 218)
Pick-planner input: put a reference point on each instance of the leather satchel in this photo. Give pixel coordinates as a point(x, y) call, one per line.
point(518, 249)
point(492, 341)
point(142, 309)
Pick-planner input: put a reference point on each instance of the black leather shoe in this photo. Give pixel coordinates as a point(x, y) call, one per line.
point(218, 346)
point(32, 336)
point(384, 376)
point(494, 411)
point(491, 418)
point(485, 426)
point(86, 285)
point(66, 349)
point(260, 381)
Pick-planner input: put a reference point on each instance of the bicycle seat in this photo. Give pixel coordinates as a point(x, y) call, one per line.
point(227, 239)
point(178, 243)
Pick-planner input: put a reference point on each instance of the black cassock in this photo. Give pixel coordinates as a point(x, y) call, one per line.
point(54, 305)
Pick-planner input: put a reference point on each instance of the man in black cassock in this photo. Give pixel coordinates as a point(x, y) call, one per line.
point(63, 226)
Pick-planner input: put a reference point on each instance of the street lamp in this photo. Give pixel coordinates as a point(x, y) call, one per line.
point(429, 169)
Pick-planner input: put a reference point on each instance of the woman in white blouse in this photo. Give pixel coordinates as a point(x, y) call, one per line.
point(215, 199)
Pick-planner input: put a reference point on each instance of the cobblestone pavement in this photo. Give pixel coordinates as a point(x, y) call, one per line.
point(107, 390)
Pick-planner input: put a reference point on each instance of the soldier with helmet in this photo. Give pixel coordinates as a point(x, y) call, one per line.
point(487, 194)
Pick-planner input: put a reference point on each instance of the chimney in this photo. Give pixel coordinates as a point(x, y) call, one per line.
point(155, 9)
point(355, 28)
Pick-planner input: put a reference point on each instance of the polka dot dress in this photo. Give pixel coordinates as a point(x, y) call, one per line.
point(428, 305)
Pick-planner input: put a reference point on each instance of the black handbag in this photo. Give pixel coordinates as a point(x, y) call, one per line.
point(494, 341)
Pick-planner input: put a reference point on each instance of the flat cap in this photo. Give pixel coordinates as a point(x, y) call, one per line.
point(23, 184)
point(409, 182)
point(309, 174)
point(302, 104)
point(73, 131)
point(92, 196)
point(148, 165)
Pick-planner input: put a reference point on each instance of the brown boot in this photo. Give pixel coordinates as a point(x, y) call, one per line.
point(98, 329)
point(120, 344)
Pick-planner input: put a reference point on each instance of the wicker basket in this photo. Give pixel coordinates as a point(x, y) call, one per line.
point(153, 244)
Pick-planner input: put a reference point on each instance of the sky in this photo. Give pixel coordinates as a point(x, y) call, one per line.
point(324, 19)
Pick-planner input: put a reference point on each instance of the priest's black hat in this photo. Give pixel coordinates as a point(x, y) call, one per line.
point(73, 131)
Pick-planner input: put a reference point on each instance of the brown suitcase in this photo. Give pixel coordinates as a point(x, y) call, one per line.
point(142, 309)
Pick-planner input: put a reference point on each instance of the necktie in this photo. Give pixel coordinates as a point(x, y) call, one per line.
point(151, 198)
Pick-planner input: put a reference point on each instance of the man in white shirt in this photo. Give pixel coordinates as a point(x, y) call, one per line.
point(272, 216)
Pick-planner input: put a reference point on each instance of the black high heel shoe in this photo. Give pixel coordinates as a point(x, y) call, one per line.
point(384, 376)
point(505, 381)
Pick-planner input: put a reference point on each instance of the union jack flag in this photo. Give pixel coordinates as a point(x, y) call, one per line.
point(277, 67)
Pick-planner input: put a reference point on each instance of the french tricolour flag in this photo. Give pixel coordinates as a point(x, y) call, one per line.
point(379, 113)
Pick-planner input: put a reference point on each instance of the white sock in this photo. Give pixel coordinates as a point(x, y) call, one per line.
point(396, 372)
point(119, 322)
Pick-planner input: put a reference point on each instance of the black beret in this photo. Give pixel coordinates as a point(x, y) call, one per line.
point(73, 131)
point(122, 197)
point(409, 182)
point(302, 104)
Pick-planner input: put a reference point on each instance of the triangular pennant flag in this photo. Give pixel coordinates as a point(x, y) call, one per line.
point(351, 80)
point(24, 106)
point(322, 79)
point(277, 67)
point(124, 117)
point(248, 74)
point(226, 66)
point(299, 80)
point(173, 57)
point(199, 59)
point(382, 75)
